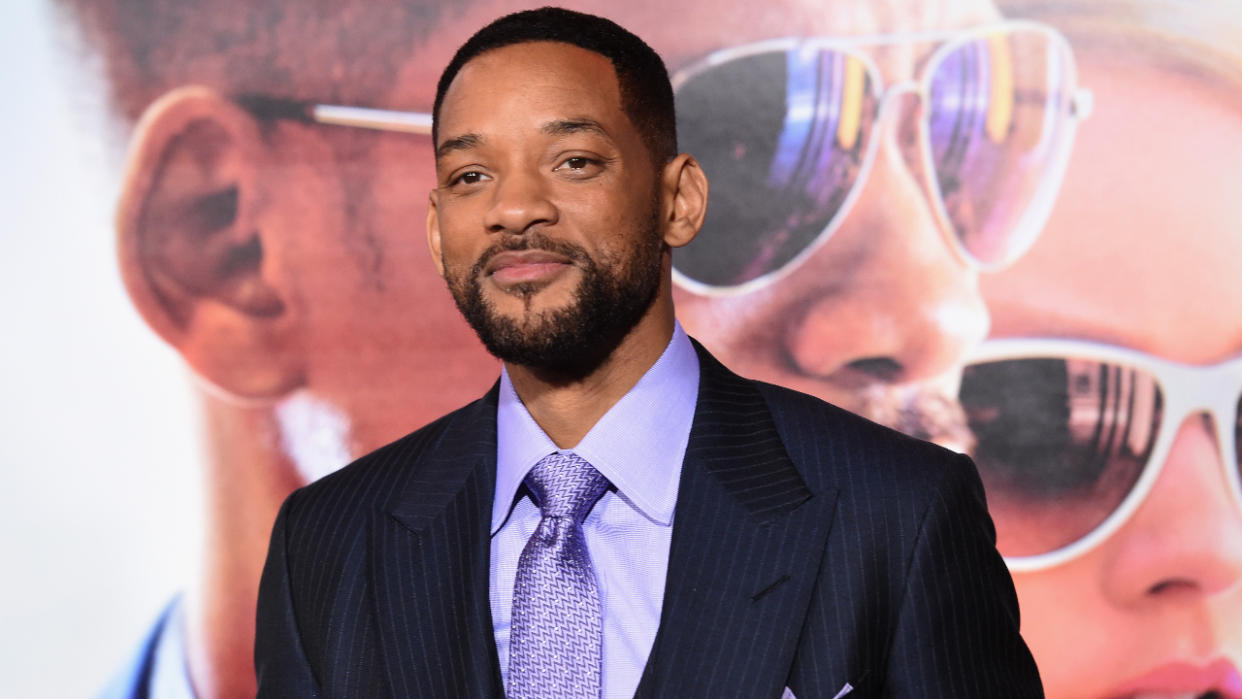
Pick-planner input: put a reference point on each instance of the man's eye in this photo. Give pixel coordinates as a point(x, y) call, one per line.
point(578, 163)
point(468, 178)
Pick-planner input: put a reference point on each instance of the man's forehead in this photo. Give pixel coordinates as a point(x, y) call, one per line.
point(698, 27)
point(554, 87)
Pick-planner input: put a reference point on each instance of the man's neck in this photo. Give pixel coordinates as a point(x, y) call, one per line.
point(567, 410)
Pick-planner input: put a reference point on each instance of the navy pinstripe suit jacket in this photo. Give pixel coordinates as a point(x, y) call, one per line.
point(812, 549)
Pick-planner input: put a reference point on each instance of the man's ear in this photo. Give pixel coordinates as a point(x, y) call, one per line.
point(193, 254)
point(433, 230)
point(684, 191)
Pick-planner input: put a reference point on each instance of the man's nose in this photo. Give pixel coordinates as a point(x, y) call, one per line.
point(1185, 540)
point(891, 301)
point(519, 199)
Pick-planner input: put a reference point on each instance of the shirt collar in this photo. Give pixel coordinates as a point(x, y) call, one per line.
point(638, 445)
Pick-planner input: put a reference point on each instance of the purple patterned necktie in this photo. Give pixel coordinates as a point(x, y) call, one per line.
point(557, 629)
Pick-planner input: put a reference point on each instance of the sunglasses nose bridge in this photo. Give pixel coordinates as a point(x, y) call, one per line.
point(900, 118)
point(899, 124)
point(890, 114)
point(1192, 390)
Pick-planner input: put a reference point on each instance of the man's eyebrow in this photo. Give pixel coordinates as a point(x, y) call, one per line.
point(564, 127)
point(465, 141)
point(560, 127)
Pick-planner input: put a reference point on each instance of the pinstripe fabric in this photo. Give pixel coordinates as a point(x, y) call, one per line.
point(811, 548)
point(913, 599)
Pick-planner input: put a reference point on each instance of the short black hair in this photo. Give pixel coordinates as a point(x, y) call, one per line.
point(646, 93)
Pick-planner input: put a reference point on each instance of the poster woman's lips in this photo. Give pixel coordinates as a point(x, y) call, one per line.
point(1184, 679)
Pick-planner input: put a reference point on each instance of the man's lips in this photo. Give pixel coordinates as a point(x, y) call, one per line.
point(518, 266)
point(1185, 680)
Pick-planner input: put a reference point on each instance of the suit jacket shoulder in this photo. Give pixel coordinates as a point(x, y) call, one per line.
point(385, 554)
point(372, 480)
point(862, 453)
point(877, 546)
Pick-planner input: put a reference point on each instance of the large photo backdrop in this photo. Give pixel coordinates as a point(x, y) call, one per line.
point(1008, 227)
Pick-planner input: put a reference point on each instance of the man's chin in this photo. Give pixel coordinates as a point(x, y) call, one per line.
point(548, 339)
point(524, 305)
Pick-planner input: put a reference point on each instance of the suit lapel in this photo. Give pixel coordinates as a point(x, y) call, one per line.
point(431, 556)
point(747, 543)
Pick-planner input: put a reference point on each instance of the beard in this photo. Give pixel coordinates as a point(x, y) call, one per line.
point(571, 341)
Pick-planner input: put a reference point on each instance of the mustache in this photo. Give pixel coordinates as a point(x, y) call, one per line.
point(531, 241)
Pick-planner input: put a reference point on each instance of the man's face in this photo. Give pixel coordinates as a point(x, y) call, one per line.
point(544, 213)
point(1141, 253)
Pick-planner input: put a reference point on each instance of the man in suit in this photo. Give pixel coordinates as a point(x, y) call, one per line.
point(527, 543)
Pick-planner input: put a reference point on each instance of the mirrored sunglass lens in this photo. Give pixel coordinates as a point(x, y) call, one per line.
point(1059, 443)
point(781, 136)
point(999, 126)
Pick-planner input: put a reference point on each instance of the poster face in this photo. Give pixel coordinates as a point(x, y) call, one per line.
point(1008, 228)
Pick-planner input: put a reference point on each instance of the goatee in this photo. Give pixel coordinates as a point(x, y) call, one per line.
point(565, 343)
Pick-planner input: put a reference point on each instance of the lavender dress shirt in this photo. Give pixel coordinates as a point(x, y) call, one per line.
point(638, 445)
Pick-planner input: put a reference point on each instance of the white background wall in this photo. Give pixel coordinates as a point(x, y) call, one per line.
point(98, 434)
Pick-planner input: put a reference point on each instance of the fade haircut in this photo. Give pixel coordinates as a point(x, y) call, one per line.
point(646, 93)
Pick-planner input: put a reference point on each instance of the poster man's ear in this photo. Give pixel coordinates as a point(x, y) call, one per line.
point(194, 256)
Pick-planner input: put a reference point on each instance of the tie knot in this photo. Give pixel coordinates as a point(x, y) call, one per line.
point(565, 485)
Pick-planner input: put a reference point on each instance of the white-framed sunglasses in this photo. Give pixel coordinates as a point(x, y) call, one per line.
point(1072, 435)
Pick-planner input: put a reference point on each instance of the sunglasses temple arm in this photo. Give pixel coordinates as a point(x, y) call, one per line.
point(379, 119)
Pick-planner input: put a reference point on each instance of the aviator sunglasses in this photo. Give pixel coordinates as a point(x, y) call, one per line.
point(788, 130)
point(1070, 437)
